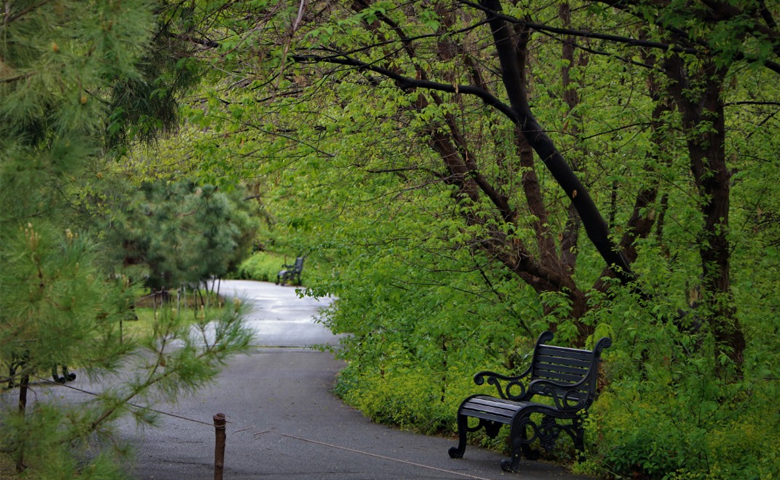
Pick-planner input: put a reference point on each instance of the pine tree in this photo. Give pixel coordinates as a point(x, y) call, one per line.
point(178, 233)
point(61, 64)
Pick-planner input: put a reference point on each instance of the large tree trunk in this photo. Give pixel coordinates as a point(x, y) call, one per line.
point(704, 118)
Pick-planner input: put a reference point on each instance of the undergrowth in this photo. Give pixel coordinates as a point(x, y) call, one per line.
point(262, 266)
point(653, 425)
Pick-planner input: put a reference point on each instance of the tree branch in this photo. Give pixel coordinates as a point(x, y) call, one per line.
point(594, 224)
point(632, 42)
point(406, 83)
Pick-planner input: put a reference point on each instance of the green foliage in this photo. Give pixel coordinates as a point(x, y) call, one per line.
point(261, 266)
point(145, 106)
point(692, 428)
point(406, 397)
point(182, 232)
point(55, 306)
point(57, 309)
point(434, 283)
point(173, 357)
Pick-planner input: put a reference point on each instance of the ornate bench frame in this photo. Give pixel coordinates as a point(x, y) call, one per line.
point(567, 376)
point(290, 272)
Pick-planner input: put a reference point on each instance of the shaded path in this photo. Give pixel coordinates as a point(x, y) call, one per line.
point(284, 422)
point(278, 316)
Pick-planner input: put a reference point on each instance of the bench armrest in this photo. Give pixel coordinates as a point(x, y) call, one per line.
point(514, 388)
point(567, 397)
point(508, 390)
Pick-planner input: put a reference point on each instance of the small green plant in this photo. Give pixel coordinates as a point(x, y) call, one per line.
point(692, 428)
point(406, 398)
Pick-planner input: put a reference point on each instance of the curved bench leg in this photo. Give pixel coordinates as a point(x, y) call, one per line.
point(514, 463)
point(11, 375)
point(528, 452)
point(577, 434)
point(18, 362)
point(463, 428)
point(519, 438)
point(66, 375)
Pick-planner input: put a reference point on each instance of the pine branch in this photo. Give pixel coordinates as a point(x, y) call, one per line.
point(11, 18)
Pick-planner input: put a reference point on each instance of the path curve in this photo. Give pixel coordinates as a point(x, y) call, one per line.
point(286, 424)
point(279, 316)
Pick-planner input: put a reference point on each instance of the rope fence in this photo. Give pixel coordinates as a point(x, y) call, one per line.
point(219, 425)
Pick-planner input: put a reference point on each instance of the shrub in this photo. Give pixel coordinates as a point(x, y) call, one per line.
point(261, 266)
point(405, 398)
point(682, 431)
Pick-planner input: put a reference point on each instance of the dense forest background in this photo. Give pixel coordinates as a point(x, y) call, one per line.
point(463, 175)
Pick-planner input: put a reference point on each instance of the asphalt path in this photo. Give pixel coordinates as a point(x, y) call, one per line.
point(280, 316)
point(284, 422)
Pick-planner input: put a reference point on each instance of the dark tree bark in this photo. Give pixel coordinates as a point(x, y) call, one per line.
point(704, 119)
point(594, 224)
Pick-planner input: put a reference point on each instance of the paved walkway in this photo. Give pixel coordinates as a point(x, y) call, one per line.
point(284, 422)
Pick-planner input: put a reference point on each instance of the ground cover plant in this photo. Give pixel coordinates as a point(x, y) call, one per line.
point(262, 266)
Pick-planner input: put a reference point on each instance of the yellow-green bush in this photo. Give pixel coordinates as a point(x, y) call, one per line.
point(665, 432)
point(261, 266)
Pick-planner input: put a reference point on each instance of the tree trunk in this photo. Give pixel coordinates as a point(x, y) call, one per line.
point(704, 117)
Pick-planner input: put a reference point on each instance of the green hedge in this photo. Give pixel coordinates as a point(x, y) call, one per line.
point(262, 266)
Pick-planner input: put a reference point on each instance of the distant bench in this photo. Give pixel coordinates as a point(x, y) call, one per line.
point(290, 272)
point(566, 376)
point(19, 363)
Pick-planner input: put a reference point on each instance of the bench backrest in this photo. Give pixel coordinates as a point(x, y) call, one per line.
point(569, 366)
point(298, 267)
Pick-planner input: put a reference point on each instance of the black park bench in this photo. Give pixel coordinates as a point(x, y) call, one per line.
point(290, 272)
point(20, 362)
point(565, 376)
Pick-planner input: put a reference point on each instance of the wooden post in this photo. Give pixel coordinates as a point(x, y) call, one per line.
point(219, 449)
point(23, 386)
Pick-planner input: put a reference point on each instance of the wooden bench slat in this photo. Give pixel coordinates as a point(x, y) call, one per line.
point(502, 412)
point(580, 361)
point(571, 369)
point(549, 367)
point(493, 401)
point(557, 377)
point(571, 362)
point(564, 352)
point(487, 416)
point(476, 411)
point(576, 365)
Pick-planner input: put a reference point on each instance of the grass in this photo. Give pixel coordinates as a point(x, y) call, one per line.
point(145, 311)
point(146, 319)
point(7, 467)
